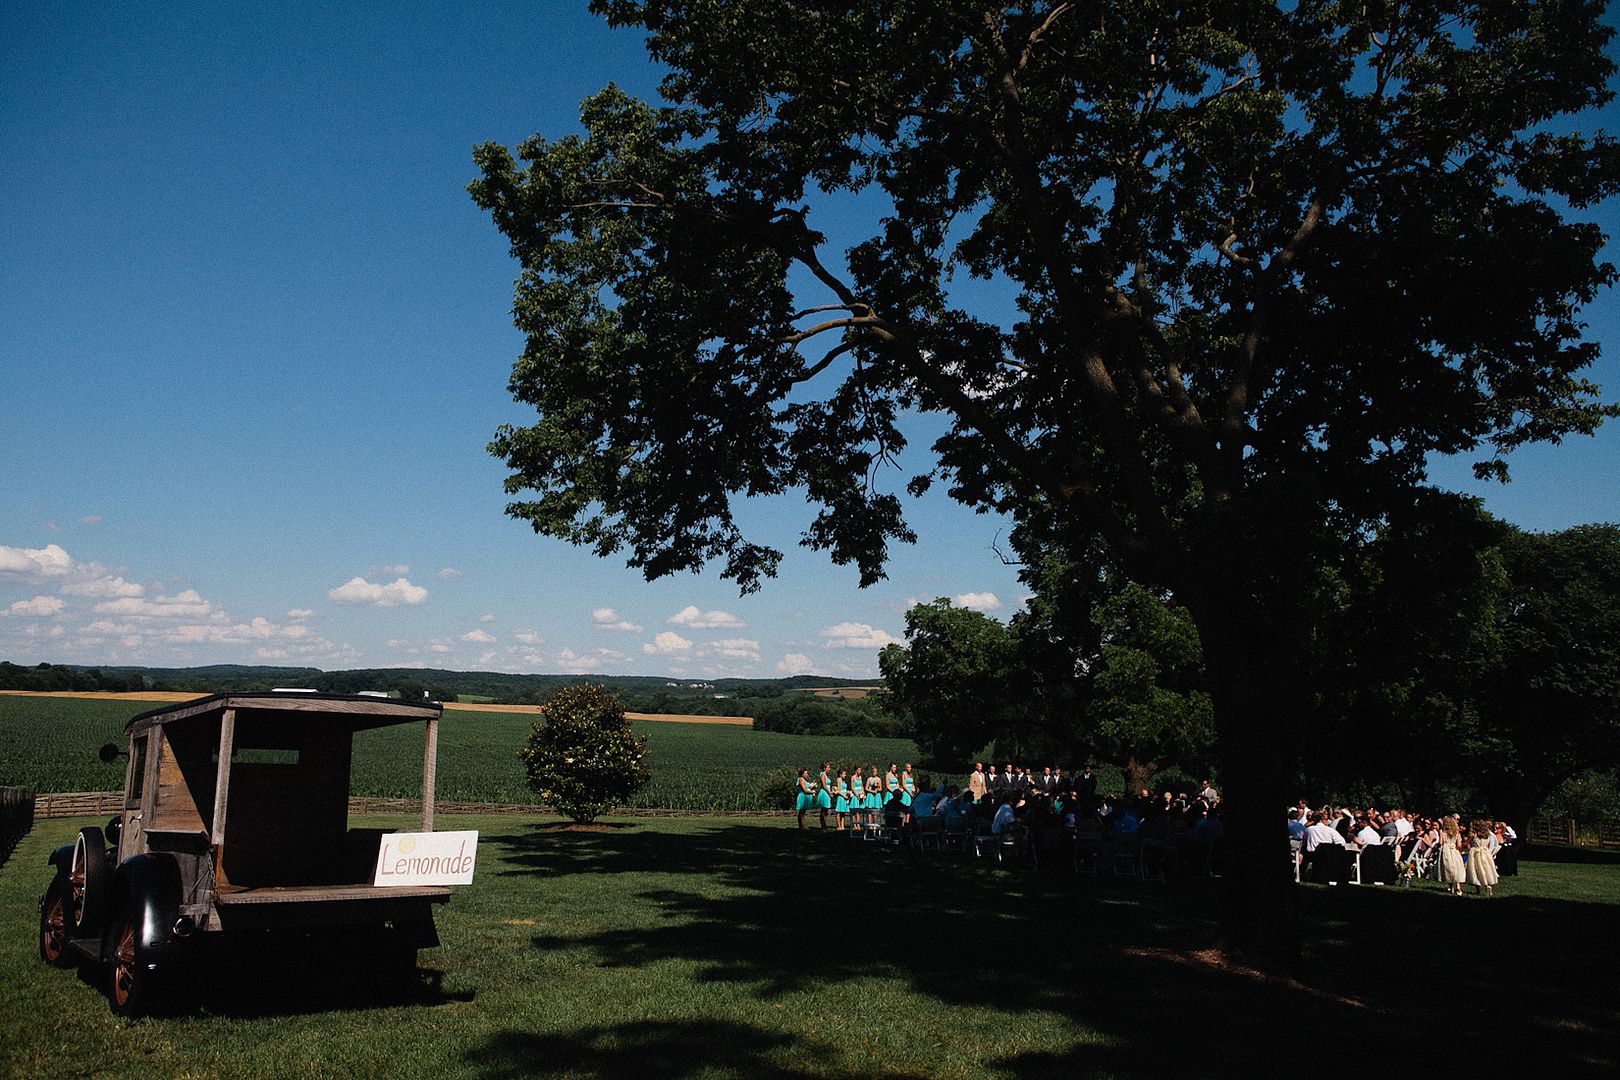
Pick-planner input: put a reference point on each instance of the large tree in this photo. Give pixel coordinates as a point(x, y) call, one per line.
point(1265, 260)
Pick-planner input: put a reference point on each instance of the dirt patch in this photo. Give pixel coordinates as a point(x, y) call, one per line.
point(1215, 960)
point(575, 826)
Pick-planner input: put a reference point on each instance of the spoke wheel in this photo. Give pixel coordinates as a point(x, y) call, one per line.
point(129, 983)
point(53, 926)
point(88, 881)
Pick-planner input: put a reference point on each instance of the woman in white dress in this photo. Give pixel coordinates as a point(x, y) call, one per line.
point(1482, 873)
point(1450, 865)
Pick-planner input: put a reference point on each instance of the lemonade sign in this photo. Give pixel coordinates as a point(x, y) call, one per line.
point(435, 858)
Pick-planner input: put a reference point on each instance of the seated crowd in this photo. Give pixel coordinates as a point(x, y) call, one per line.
point(1051, 812)
point(1388, 845)
point(1047, 811)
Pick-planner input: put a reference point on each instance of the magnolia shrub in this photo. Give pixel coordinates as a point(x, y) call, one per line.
point(583, 757)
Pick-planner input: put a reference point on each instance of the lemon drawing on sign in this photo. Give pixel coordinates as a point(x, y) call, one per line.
point(407, 844)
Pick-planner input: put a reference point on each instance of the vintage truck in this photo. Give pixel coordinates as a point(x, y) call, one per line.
point(235, 826)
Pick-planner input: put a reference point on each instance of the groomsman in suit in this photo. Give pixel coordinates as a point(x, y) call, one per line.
point(978, 783)
point(1085, 786)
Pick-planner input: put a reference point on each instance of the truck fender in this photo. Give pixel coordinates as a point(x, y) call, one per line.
point(151, 881)
point(61, 858)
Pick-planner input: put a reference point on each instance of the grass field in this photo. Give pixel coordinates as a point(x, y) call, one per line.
point(701, 948)
point(49, 744)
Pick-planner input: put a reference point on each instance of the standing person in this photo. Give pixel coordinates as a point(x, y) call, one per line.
point(874, 796)
point(978, 783)
point(1086, 788)
point(1482, 873)
point(806, 797)
point(824, 791)
point(1450, 866)
point(891, 786)
point(857, 800)
point(841, 801)
point(908, 787)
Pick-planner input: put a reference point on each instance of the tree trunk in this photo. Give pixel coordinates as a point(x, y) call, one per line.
point(1137, 775)
point(1257, 689)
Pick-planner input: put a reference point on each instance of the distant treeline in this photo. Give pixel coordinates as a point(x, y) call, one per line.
point(784, 705)
point(48, 677)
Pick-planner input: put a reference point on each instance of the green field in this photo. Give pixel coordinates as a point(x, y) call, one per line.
point(697, 948)
point(49, 744)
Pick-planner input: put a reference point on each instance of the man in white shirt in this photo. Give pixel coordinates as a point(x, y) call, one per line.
point(1319, 832)
point(1366, 835)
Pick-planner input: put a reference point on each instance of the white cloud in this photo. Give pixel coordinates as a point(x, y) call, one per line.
point(583, 663)
point(690, 616)
point(91, 519)
point(732, 648)
point(102, 585)
point(52, 526)
point(398, 571)
point(483, 637)
point(186, 604)
point(526, 637)
point(272, 654)
point(398, 643)
point(449, 573)
point(360, 591)
point(440, 647)
point(300, 613)
point(606, 619)
point(852, 635)
point(35, 564)
point(38, 607)
point(978, 601)
point(666, 644)
point(794, 663)
point(486, 618)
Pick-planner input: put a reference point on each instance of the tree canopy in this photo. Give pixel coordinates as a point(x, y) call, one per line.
point(1265, 260)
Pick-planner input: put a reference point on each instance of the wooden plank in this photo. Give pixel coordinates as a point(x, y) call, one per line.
point(306, 894)
point(430, 771)
point(222, 789)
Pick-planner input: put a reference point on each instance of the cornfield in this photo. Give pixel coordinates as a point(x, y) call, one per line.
point(49, 744)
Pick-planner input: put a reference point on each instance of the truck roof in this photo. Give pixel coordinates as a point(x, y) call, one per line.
point(357, 711)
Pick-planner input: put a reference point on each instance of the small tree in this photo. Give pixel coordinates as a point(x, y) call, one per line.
point(584, 758)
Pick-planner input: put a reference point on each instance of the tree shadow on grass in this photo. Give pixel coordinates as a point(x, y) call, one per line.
point(661, 1050)
point(1391, 979)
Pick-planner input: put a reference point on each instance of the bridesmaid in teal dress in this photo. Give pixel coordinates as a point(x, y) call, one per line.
point(806, 796)
point(874, 795)
point(908, 787)
point(824, 792)
point(841, 803)
point(857, 800)
point(891, 786)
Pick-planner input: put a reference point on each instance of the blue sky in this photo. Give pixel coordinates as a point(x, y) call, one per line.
point(254, 337)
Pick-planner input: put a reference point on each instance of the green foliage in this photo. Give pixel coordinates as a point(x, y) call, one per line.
point(802, 714)
point(956, 682)
point(1147, 701)
point(583, 758)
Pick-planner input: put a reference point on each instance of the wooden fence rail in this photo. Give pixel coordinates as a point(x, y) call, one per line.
point(1563, 832)
point(62, 804)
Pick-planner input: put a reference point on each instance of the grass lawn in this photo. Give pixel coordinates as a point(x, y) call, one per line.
point(721, 948)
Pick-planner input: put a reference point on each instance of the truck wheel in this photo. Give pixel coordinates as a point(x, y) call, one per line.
point(53, 924)
point(89, 878)
point(129, 982)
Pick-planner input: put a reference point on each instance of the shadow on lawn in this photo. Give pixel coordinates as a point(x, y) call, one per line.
point(1392, 980)
point(660, 1050)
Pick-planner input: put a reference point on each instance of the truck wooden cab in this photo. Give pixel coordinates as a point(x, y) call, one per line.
point(235, 823)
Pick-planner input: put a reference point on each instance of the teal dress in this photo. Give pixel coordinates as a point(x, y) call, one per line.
point(841, 806)
point(823, 798)
point(891, 784)
point(857, 798)
point(908, 789)
point(807, 798)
